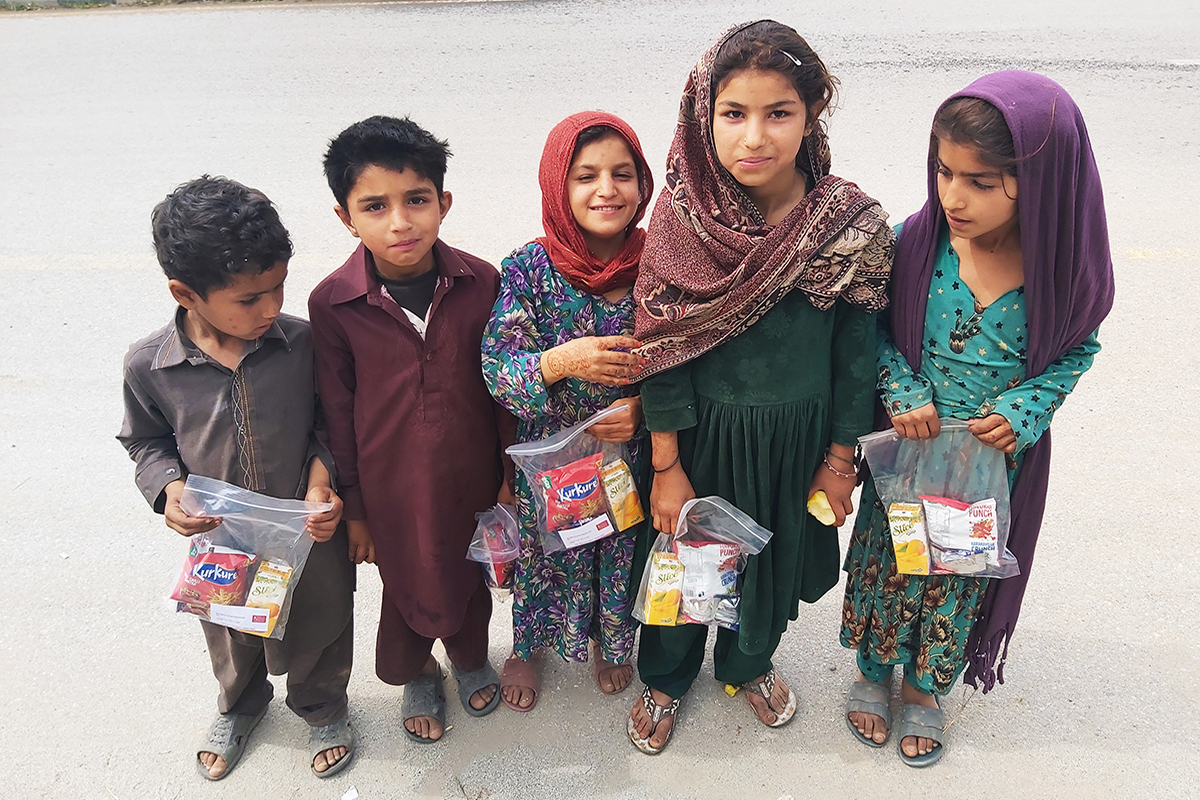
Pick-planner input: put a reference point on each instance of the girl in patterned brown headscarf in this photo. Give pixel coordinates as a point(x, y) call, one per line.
point(759, 283)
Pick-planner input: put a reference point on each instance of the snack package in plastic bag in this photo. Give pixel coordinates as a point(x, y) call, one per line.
point(496, 545)
point(243, 572)
point(582, 487)
point(947, 502)
point(694, 575)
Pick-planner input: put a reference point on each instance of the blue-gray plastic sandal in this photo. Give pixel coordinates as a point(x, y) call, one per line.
point(927, 723)
point(866, 697)
point(227, 738)
point(327, 737)
point(425, 697)
point(471, 682)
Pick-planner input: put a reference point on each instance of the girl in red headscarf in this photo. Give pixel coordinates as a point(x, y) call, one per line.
point(555, 352)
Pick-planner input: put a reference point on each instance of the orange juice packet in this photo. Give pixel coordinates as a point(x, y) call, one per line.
point(622, 494)
point(268, 591)
point(664, 589)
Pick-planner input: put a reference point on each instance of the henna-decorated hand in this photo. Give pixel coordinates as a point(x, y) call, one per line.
point(599, 359)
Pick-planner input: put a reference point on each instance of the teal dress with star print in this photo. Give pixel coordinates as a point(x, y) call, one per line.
point(972, 365)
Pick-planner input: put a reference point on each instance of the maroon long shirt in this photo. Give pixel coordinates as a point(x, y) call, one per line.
point(415, 434)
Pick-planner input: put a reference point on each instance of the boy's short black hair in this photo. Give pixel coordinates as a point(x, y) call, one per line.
point(210, 229)
point(397, 144)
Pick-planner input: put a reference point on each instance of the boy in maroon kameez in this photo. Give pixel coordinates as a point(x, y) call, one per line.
point(415, 434)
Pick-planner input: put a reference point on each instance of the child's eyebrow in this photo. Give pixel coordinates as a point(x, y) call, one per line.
point(777, 104)
point(991, 174)
point(593, 168)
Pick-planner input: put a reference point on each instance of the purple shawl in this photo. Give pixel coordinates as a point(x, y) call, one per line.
point(1068, 291)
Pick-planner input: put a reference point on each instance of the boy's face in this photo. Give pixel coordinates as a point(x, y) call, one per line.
point(245, 309)
point(397, 215)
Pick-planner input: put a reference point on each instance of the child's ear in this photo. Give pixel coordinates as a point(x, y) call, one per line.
point(183, 294)
point(445, 200)
point(344, 216)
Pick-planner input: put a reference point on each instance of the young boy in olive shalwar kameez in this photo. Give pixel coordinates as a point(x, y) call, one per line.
point(226, 391)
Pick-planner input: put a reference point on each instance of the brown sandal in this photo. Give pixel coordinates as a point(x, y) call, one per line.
point(599, 664)
point(524, 675)
point(657, 714)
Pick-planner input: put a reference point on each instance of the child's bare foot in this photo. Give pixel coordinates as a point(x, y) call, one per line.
point(427, 727)
point(871, 726)
point(327, 758)
point(213, 763)
point(611, 678)
point(659, 733)
point(769, 712)
point(917, 745)
point(484, 696)
point(520, 682)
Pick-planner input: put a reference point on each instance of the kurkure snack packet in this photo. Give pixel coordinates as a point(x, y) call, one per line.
point(908, 538)
point(573, 493)
point(622, 495)
point(663, 590)
point(212, 575)
point(268, 591)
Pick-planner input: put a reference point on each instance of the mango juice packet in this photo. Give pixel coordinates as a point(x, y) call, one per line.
point(664, 589)
point(909, 539)
point(622, 494)
point(268, 591)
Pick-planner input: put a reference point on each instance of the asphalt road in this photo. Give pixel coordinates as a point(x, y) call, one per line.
point(102, 112)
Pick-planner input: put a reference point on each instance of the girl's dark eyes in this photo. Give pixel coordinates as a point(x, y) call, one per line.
point(732, 114)
point(984, 186)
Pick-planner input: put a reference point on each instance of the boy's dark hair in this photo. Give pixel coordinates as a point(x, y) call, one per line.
point(396, 144)
point(211, 229)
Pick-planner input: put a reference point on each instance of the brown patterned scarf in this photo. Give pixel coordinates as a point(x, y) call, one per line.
point(711, 265)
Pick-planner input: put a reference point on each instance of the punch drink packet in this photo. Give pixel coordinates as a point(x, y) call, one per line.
point(663, 590)
point(573, 493)
point(268, 591)
point(622, 494)
point(212, 575)
point(710, 574)
point(909, 538)
point(962, 535)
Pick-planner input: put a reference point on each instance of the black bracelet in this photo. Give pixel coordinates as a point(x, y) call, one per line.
point(667, 468)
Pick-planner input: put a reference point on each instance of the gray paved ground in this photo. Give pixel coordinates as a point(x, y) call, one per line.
point(101, 113)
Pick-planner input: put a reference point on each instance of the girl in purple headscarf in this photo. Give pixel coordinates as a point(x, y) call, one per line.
point(1000, 283)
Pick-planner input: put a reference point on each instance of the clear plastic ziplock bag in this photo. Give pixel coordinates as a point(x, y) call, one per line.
point(694, 575)
point(243, 572)
point(947, 502)
point(582, 487)
point(496, 545)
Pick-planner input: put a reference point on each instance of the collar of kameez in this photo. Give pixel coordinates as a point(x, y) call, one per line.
point(357, 277)
point(177, 347)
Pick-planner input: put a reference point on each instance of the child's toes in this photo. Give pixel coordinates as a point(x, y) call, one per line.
point(909, 746)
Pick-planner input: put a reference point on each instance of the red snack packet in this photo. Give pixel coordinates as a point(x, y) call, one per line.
point(214, 575)
point(574, 493)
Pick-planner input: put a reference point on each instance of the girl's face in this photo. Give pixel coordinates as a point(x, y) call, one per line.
point(603, 191)
point(759, 123)
point(977, 199)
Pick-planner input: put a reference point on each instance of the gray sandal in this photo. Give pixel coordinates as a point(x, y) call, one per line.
point(866, 697)
point(227, 738)
point(766, 688)
point(471, 682)
point(327, 737)
point(927, 723)
point(425, 697)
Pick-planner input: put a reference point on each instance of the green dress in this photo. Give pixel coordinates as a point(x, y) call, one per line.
point(972, 364)
point(754, 417)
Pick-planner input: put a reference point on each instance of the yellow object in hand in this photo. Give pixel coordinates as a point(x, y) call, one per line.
point(818, 506)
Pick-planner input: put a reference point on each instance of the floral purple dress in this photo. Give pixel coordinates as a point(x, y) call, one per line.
point(560, 600)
